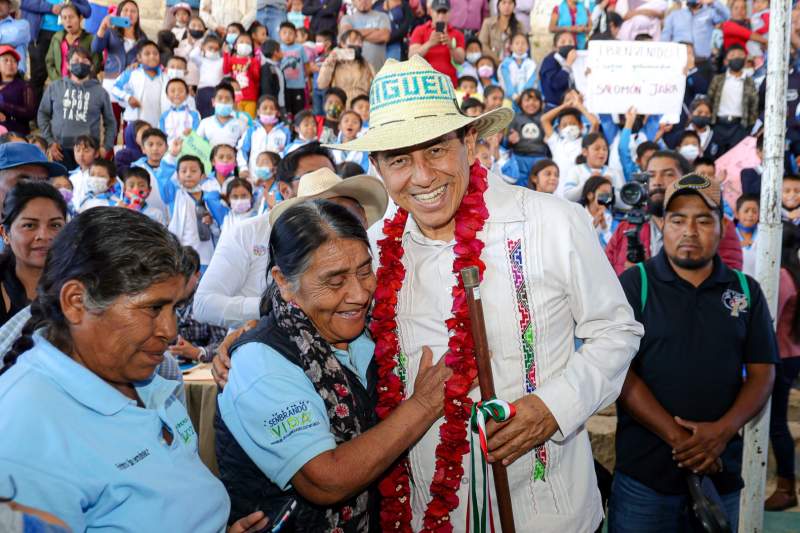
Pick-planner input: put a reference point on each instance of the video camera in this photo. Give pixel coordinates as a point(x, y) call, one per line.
point(635, 194)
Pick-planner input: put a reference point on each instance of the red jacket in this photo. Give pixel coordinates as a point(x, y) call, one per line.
point(730, 251)
point(245, 70)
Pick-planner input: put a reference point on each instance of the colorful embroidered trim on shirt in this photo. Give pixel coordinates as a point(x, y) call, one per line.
point(528, 337)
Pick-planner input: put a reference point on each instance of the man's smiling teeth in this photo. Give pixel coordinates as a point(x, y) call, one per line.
point(430, 197)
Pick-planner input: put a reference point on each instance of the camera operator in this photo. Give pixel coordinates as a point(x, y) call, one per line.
point(684, 400)
point(440, 44)
point(346, 67)
point(664, 168)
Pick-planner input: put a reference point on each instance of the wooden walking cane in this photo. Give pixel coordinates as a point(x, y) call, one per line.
point(471, 278)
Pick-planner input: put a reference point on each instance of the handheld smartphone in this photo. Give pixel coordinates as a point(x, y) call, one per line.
point(280, 518)
point(120, 22)
point(346, 54)
point(440, 27)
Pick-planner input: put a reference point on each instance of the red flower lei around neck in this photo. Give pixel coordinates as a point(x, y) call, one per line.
point(394, 487)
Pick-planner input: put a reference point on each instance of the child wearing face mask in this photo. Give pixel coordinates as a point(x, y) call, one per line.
point(179, 119)
point(225, 126)
point(137, 189)
point(208, 60)
point(565, 142)
point(700, 122)
point(518, 71)
point(65, 187)
point(100, 186)
point(268, 133)
point(266, 192)
point(473, 52)
point(328, 124)
point(239, 196)
point(734, 99)
point(246, 69)
point(487, 72)
point(747, 212)
point(689, 146)
point(223, 168)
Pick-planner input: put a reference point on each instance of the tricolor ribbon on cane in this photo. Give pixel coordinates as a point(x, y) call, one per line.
point(499, 411)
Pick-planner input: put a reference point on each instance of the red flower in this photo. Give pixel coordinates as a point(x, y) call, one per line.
point(341, 390)
point(470, 218)
point(341, 410)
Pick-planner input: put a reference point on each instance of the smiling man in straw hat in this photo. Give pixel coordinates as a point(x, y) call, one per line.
point(546, 282)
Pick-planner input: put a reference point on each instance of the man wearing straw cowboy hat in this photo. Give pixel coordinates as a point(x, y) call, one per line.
point(546, 282)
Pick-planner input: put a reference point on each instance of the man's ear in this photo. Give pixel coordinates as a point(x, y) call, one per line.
point(471, 142)
point(73, 302)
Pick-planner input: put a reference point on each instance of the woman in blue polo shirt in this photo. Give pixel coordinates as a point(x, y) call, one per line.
point(90, 435)
point(298, 412)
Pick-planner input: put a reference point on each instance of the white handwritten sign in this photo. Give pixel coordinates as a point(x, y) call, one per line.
point(646, 75)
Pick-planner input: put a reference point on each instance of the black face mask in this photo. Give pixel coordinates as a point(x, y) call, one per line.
point(80, 70)
point(735, 65)
point(196, 34)
point(356, 49)
point(701, 122)
point(564, 51)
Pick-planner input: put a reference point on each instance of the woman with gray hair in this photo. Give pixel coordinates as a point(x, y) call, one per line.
point(298, 414)
point(90, 434)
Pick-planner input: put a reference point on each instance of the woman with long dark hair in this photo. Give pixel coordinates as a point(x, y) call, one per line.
point(121, 44)
point(496, 32)
point(33, 214)
point(785, 494)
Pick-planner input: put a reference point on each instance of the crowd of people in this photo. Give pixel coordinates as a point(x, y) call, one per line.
point(301, 176)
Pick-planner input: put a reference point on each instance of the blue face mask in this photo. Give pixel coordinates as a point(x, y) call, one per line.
point(231, 38)
point(263, 173)
point(223, 110)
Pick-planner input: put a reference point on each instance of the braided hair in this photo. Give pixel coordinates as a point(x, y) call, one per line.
point(112, 252)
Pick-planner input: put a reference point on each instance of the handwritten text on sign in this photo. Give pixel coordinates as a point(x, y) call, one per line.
point(646, 75)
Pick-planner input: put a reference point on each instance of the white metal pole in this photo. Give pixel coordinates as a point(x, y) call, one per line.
point(756, 434)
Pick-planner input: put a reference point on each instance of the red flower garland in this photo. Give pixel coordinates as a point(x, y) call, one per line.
point(394, 487)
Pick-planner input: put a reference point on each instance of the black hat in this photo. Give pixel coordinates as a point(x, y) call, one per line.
point(440, 5)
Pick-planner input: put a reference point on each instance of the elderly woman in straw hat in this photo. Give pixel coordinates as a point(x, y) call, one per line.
point(545, 281)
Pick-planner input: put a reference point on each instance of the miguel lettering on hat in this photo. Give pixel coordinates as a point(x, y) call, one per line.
point(412, 103)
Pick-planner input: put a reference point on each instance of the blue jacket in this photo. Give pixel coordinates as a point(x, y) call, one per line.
point(32, 11)
point(555, 80)
point(117, 59)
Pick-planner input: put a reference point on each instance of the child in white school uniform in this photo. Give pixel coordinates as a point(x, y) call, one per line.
point(137, 190)
point(139, 90)
point(224, 127)
point(208, 59)
point(267, 133)
point(178, 120)
point(349, 129)
point(100, 186)
point(85, 152)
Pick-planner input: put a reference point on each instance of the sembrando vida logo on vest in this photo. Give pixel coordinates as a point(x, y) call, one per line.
point(289, 420)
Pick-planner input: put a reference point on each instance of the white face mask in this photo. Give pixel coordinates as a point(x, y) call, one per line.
point(473, 57)
point(97, 184)
point(244, 49)
point(174, 73)
point(690, 152)
point(240, 205)
point(570, 133)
